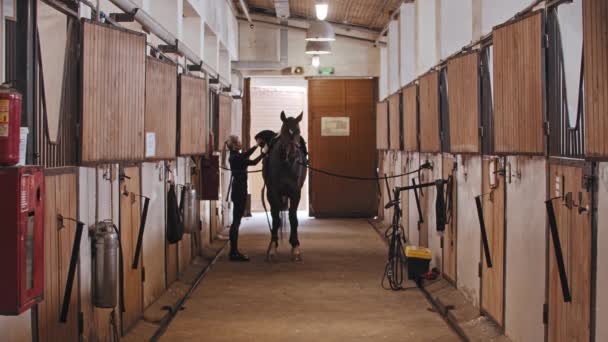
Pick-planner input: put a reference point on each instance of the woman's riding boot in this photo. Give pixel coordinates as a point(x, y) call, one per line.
point(235, 255)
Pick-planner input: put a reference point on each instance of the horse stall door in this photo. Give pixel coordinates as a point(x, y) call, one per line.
point(60, 198)
point(342, 133)
point(130, 212)
point(570, 321)
point(493, 204)
point(450, 236)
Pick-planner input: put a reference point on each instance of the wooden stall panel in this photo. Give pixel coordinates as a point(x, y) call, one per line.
point(60, 199)
point(382, 125)
point(410, 118)
point(493, 204)
point(394, 114)
point(161, 107)
point(463, 84)
point(450, 237)
point(595, 36)
point(570, 321)
point(225, 122)
point(193, 125)
point(429, 113)
point(130, 212)
point(113, 91)
point(518, 86)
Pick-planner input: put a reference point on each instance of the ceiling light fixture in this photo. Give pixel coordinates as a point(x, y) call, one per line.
point(320, 31)
point(321, 8)
point(318, 48)
point(316, 61)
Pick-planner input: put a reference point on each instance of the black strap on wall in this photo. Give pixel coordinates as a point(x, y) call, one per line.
point(440, 207)
point(420, 219)
point(557, 247)
point(140, 235)
point(484, 234)
point(67, 294)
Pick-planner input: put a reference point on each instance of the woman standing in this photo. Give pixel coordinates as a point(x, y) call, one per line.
point(239, 161)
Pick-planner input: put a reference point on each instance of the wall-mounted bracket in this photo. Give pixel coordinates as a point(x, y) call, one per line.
point(168, 49)
point(588, 178)
point(124, 17)
point(195, 67)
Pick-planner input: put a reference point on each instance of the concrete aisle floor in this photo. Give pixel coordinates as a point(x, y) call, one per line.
point(333, 295)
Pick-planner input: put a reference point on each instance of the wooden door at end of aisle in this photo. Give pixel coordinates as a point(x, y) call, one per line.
point(570, 321)
point(493, 204)
point(130, 215)
point(342, 134)
point(451, 232)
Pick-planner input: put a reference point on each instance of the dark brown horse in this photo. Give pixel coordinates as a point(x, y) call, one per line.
point(284, 174)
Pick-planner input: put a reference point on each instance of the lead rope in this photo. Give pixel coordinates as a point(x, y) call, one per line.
point(114, 327)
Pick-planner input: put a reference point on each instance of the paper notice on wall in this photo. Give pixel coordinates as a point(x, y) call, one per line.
point(150, 144)
point(335, 126)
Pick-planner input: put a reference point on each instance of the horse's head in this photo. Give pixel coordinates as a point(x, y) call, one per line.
point(290, 135)
point(291, 127)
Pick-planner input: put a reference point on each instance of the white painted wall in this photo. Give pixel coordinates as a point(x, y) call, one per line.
point(262, 43)
point(218, 16)
point(349, 57)
point(383, 79)
point(412, 230)
point(430, 196)
point(393, 57)
point(495, 12)
point(427, 34)
point(193, 34)
point(211, 50)
point(86, 213)
point(455, 25)
point(407, 43)
point(468, 181)
point(526, 249)
point(601, 308)
point(153, 187)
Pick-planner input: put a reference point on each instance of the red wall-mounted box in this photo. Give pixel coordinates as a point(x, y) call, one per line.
point(21, 238)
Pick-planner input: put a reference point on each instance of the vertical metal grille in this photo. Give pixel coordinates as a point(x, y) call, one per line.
point(214, 99)
point(564, 140)
point(487, 103)
point(10, 50)
point(65, 151)
point(444, 111)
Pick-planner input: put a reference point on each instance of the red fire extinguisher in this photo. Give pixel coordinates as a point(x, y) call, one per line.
point(10, 124)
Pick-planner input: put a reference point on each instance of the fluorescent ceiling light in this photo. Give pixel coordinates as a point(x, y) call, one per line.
point(318, 48)
point(321, 7)
point(320, 31)
point(316, 61)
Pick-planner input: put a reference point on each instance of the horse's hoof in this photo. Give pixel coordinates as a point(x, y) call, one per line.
point(296, 255)
point(271, 253)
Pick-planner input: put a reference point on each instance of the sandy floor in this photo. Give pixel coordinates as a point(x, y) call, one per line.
point(333, 295)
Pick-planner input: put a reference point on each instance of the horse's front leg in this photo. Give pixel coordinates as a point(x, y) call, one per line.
point(271, 254)
point(293, 222)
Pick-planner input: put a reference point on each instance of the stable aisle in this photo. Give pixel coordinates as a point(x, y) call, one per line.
point(333, 295)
